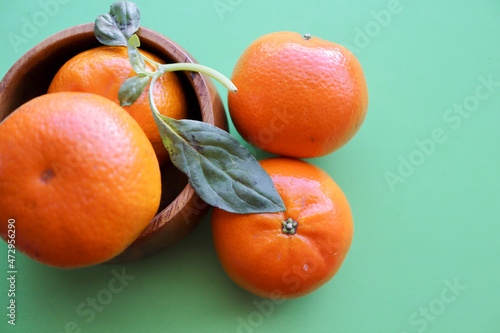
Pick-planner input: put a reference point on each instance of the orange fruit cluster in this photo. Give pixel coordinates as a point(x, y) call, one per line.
point(300, 97)
point(91, 180)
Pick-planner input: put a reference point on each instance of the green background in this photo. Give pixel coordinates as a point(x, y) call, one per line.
point(426, 250)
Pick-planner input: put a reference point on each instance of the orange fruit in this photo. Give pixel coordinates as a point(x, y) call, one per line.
point(292, 253)
point(78, 176)
point(297, 96)
point(102, 71)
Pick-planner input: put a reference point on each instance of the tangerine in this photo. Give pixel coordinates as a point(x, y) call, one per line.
point(102, 70)
point(292, 253)
point(298, 96)
point(79, 178)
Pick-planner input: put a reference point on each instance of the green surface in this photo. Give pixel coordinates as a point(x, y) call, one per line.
point(426, 249)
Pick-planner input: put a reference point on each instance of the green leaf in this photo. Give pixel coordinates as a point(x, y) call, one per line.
point(117, 26)
point(131, 89)
point(106, 31)
point(134, 57)
point(127, 17)
point(223, 173)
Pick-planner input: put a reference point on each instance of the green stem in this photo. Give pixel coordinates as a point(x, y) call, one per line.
point(151, 98)
point(147, 73)
point(151, 61)
point(199, 68)
point(162, 69)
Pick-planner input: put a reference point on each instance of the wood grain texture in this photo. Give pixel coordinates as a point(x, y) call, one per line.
point(181, 208)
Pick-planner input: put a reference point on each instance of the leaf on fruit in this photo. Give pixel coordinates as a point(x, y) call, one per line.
point(134, 57)
point(223, 172)
point(117, 26)
point(132, 88)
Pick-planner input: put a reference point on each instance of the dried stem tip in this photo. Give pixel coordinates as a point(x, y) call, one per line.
point(289, 226)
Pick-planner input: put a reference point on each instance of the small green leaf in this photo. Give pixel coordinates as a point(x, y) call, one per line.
point(106, 31)
point(134, 57)
point(132, 88)
point(117, 26)
point(127, 17)
point(223, 173)
point(134, 41)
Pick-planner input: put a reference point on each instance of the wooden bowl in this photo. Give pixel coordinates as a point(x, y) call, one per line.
point(181, 209)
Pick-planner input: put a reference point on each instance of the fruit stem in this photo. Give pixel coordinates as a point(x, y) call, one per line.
point(198, 68)
point(162, 69)
point(152, 103)
point(307, 36)
point(289, 226)
point(151, 61)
